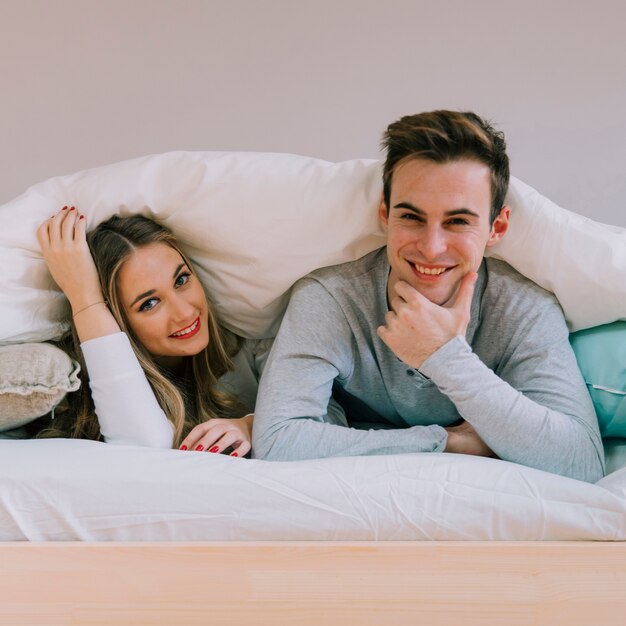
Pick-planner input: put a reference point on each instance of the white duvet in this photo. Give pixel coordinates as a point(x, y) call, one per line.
point(67, 490)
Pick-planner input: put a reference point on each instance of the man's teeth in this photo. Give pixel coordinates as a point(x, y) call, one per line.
point(187, 330)
point(431, 272)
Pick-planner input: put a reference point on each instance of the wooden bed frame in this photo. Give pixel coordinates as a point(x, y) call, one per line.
point(313, 583)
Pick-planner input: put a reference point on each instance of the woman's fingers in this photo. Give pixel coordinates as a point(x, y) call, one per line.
point(67, 225)
point(80, 228)
point(192, 440)
point(54, 227)
point(221, 443)
point(43, 237)
point(217, 435)
point(242, 449)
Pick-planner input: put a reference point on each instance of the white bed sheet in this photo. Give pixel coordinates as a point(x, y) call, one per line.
point(66, 490)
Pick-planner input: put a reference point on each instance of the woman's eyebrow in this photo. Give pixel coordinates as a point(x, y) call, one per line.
point(145, 294)
point(141, 296)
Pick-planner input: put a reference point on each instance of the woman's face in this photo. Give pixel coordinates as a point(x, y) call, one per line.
point(165, 303)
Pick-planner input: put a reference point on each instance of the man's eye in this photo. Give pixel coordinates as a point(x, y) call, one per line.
point(458, 221)
point(148, 304)
point(410, 216)
point(182, 279)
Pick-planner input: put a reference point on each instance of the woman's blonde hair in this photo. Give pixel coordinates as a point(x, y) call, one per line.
point(186, 405)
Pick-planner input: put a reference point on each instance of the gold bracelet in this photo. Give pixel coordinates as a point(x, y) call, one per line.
point(89, 306)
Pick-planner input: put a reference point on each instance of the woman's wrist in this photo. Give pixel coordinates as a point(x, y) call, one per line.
point(88, 306)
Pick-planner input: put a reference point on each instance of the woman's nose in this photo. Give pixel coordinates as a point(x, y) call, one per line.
point(181, 309)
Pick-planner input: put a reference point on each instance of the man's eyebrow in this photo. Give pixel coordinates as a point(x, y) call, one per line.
point(418, 211)
point(151, 291)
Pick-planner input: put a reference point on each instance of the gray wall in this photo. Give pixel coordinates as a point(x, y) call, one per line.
point(88, 82)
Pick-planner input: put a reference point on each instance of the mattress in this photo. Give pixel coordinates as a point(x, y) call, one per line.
point(69, 490)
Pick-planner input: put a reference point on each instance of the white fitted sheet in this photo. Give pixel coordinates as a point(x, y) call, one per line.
point(66, 490)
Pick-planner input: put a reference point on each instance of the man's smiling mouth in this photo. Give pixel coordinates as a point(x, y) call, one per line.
point(423, 270)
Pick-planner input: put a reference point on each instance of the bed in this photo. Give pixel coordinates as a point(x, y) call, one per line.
point(99, 534)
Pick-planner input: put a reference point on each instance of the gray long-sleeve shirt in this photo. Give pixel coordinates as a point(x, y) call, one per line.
point(331, 387)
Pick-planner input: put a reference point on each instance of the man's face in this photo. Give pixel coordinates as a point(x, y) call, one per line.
point(438, 225)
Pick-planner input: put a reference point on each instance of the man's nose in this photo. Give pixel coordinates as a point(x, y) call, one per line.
point(433, 243)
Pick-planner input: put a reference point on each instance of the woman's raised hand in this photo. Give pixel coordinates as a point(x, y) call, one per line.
point(217, 435)
point(63, 243)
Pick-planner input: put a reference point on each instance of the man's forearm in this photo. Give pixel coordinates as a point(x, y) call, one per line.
point(293, 439)
point(514, 426)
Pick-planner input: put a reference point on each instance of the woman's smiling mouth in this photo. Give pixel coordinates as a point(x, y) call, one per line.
point(187, 332)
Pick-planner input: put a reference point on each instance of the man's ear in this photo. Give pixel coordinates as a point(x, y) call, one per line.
point(383, 212)
point(500, 226)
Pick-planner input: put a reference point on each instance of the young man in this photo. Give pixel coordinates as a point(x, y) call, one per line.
point(425, 346)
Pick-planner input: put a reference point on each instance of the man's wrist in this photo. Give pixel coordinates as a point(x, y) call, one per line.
point(449, 350)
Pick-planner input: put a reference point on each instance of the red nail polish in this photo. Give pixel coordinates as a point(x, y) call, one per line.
point(64, 208)
point(214, 449)
point(72, 209)
point(82, 217)
point(183, 447)
point(233, 454)
point(200, 448)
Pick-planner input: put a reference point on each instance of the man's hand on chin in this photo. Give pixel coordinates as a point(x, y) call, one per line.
point(415, 327)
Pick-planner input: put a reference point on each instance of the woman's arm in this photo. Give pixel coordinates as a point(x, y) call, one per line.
point(125, 405)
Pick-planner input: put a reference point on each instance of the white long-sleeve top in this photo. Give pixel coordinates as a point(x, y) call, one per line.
point(126, 407)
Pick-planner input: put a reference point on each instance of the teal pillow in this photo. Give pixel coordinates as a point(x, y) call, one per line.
point(601, 355)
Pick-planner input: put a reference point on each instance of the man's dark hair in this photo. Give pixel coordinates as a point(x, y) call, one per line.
point(444, 137)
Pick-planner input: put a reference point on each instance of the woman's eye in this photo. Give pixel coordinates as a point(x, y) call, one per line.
point(148, 304)
point(182, 279)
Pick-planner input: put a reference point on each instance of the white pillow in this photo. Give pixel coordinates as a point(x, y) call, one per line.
point(581, 261)
point(254, 223)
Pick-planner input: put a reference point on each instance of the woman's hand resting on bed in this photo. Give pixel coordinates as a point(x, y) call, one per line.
point(218, 435)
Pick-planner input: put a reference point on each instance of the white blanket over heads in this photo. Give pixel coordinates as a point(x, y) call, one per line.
point(254, 223)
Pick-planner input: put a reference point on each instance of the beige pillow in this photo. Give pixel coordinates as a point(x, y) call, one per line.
point(34, 378)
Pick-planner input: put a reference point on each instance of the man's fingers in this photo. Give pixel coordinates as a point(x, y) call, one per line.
point(408, 293)
point(463, 298)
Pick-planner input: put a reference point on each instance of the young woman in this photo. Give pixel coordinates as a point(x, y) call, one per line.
point(162, 371)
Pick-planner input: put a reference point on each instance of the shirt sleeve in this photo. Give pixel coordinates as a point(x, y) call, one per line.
point(535, 410)
point(243, 381)
point(296, 417)
point(126, 407)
